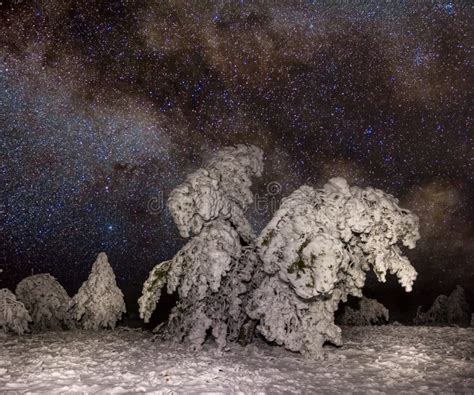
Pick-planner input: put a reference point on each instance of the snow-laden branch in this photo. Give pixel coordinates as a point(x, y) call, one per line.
point(152, 290)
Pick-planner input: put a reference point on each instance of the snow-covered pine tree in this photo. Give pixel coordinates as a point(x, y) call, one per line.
point(316, 251)
point(47, 302)
point(99, 302)
point(13, 314)
point(446, 310)
point(369, 312)
point(214, 272)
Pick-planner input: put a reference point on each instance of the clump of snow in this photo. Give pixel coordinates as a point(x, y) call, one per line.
point(99, 302)
point(394, 359)
point(316, 251)
point(215, 271)
point(446, 310)
point(13, 313)
point(47, 302)
point(369, 312)
point(219, 190)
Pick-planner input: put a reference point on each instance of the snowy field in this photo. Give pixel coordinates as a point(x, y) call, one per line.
point(387, 359)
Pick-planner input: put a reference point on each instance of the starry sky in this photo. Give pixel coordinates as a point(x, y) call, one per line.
point(105, 106)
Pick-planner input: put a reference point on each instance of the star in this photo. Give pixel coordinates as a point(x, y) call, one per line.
point(103, 106)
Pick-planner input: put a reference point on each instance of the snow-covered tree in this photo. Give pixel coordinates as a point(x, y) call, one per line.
point(316, 251)
point(99, 302)
point(214, 272)
point(47, 302)
point(369, 312)
point(13, 314)
point(446, 310)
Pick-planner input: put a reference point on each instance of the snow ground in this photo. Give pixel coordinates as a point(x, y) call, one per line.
point(385, 359)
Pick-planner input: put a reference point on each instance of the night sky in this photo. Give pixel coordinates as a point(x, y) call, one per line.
point(105, 107)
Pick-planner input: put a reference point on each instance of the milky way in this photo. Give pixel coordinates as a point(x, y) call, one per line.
point(106, 106)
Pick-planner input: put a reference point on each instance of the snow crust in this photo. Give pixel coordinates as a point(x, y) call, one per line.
point(369, 312)
point(99, 302)
point(388, 359)
point(47, 302)
point(316, 251)
point(13, 313)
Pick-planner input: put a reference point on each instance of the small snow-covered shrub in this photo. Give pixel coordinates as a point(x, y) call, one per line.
point(196, 271)
point(369, 312)
point(316, 251)
point(13, 314)
point(99, 302)
point(446, 310)
point(47, 302)
point(215, 271)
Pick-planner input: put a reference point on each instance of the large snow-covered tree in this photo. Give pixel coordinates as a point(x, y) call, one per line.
point(316, 251)
point(13, 313)
point(47, 302)
point(368, 312)
point(446, 310)
point(99, 302)
point(214, 272)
